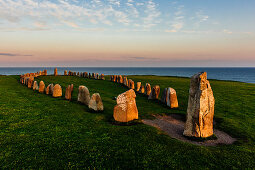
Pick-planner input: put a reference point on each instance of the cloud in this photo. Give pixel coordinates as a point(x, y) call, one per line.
point(227, 31)
point(178, 20)
point(12, 54)
point(152, 13)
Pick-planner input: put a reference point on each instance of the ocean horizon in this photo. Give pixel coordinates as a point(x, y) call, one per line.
point(241, 74)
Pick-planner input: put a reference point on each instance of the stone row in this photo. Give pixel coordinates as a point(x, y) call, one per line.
point(169, 96)
point(85, 75)
point(94, 102)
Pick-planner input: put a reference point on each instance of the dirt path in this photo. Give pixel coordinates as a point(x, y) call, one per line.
point(173, 125)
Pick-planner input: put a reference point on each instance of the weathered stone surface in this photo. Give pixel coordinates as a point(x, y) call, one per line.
point(93, 75)
point(142, 90)
point(74, 73)
point(147, 89)
point(155, 92)
point(114, 78)
point(89, 75)
point(35, 86)
point(55, 72)
point(86, 75)
point(83, 95)
point(41, 87)
point(30, 82)
point(57, 91)
point(96, 103)
point(120, 79)
point(65, 72)
point(69, 91)
point(200, 112)
point(49, 89)
point(102, 77)
point(78, 74)
point(169, 97)
point(97, 76)
point(126, 109)
point(125, 81)
point(138, 86)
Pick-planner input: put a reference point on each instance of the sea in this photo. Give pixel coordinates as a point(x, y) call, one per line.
point(244, 74)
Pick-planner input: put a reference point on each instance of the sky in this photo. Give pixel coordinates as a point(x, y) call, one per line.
point(127, 33)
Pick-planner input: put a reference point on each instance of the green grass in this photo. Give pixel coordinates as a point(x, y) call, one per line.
point(38, 131)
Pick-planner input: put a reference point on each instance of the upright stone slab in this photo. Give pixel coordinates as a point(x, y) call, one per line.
point(147, 89)
point(102, 77)
point(41, 87)
point(120, 79)
point(96, 103)
point(49, 89)
point(138, 86)
point(200, 112)
point(83, 95)
point(142, 90)
point(126, 109)
point(69, 91)
point(35, 86)
point(30, 83)
point(114, 78)
point(132, 84)
point(169, 97)
point(57, 91)
point(65, 72)
point(55, 72)
point(86, 75)
point(125, 81)
point(89, 75)
point(155, 92)
point(97, 76)
point(93, 75)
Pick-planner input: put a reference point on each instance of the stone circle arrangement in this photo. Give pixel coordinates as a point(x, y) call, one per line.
point(200, 111)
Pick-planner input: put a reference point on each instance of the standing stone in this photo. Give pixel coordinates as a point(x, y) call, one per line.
point(169, 97)
point(35, 86)
point(89, 75)
point(74, 73)
point(102, 77)
point(147, 89)
point(30, 82)
point(120, 79)
point(126, 109)
point(97, 76)
point(200, 112)
point(138, 86)
point(78, 74)
point(125, 81)
point(55, 72)
point(132, 84)
point(93, 75)
point(65, 72)
point(96, 103)
point(41, 87)
point(142, 89)
point(155, 92)
point(86, 75)
point(57, 91)
point(69, 91)
point(114, 78)
point(49, 89)
point(83, 95)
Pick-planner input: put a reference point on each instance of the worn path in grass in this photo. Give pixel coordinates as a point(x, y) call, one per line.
point(38, 131)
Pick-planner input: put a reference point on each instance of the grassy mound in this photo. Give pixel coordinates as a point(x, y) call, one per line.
point(38, 131)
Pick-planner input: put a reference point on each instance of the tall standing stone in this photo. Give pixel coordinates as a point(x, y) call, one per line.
point(138, 86)
point(102, 77)
point(125, 81)
point(126, 109)
point(200, 112)
point(147, 89)
point(155, 92)
point(41, 87)
point(57, 91)
point(35, 86)
point(69, 91)
point(169, 97)
point(83, 95)
point(65, 72)
point(96, 103)
point(55, 72)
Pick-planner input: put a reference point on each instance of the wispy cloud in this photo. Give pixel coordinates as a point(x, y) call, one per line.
point(13, 54)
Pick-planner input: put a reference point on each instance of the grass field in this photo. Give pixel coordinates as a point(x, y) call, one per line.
point(38, 131)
